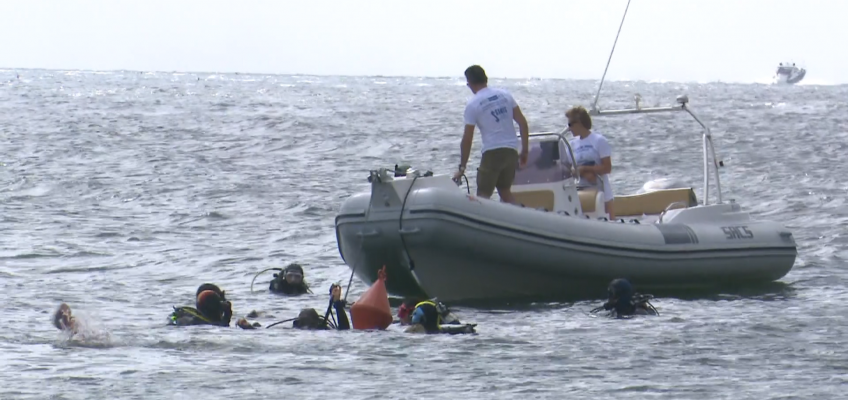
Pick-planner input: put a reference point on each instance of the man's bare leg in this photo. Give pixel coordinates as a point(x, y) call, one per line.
point(483, 195)
point(609, 210)
point(506, 196)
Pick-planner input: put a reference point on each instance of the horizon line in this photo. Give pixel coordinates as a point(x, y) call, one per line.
point(654, 80)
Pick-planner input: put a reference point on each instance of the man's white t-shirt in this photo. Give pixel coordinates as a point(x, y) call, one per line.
point(589, 151)
point(491, 110)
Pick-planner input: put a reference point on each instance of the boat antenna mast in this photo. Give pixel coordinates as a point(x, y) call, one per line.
point(598, 94)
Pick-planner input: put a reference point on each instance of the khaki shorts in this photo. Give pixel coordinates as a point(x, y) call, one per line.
point(497, 170)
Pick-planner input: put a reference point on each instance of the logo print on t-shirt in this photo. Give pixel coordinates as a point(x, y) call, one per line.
point(498, 112)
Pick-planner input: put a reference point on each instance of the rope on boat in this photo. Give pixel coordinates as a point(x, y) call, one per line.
point(597, 95)
point(467, 186)
point(400, 222)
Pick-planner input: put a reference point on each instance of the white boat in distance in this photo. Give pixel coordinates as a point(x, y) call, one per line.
point(789, 74)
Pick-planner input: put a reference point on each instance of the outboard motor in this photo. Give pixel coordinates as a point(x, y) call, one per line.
point(661, 184)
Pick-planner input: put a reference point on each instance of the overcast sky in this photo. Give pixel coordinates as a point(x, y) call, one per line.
point(665, 40)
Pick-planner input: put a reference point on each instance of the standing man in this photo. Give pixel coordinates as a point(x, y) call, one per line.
point(493, 110)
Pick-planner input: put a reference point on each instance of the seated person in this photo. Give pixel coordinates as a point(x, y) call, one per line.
point(425, 318)
point(64, 320)
point(289, 281)
point(592, 154)
point(211, 308)
point(310, 320)
point(408, 305)
point(623, 302)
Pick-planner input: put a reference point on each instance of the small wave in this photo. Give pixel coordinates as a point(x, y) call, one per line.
point(214, 215)
point(88, 269)
point(89, 334)
point(37, 191)
point(26, 256)
point(107, 234)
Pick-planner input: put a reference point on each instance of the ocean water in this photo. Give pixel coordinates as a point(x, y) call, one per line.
point(121, 192)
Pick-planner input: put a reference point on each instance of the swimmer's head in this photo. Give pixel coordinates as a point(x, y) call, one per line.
point(405, 310)
point(620, 289)
point(212, 287)
point(293, 274)
point(63, 319)
point(308, 319)
point(211, 305)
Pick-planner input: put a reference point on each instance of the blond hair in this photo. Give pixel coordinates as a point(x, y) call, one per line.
point(581, 115)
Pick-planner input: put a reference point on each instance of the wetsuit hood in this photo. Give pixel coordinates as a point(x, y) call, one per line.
point(307, 319)
point(296, 268)
point(211, 305)
point(620, 293)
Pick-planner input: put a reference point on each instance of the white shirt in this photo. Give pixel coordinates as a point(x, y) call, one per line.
point(491, 111)
point(589, 151)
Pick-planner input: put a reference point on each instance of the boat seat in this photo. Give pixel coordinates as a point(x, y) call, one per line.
point(588, 197)
point(652, 203)
point(536, 199)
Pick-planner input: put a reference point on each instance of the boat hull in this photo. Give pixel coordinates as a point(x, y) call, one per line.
point(791, 78)
point(459, 248)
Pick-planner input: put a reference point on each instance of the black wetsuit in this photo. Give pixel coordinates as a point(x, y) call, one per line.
point(279, 285)
point(343, 323)
point(186, 316)
point(625, 307)
point(212, 308)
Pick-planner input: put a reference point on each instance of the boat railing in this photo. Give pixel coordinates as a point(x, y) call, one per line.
point(682, 106)
point(709, 148)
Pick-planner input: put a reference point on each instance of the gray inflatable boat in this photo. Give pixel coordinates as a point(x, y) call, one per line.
point(438, 240)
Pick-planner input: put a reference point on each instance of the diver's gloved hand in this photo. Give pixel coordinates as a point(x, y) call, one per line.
point(336, 295)
point(243, 324)
point(469, 328)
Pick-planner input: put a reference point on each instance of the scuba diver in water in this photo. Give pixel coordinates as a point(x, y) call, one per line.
point(623, 302)
point(309, 318)
point(408, 306)
point(289, 281)
point(427, 317)
point(211, 308)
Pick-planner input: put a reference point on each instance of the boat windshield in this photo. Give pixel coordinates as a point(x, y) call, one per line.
point(547, 161)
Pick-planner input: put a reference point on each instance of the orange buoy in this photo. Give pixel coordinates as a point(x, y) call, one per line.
point(372, 310)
